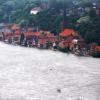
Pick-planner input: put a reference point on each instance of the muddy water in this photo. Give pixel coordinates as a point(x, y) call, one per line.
point(32, 74)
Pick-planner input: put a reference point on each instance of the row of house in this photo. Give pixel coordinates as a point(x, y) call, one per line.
point(68, 40)
point(40, 37)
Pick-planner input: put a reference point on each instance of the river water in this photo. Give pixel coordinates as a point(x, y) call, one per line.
point(32, 74)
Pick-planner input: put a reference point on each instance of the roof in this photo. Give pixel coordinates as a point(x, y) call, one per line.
point(50, 35)
point(28, 34)
point(47, 34)
point(32, 34)
point(67, 32)
point(36, 9)
point(97, 48)
point(37, 33)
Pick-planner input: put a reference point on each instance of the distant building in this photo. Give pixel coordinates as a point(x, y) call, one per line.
point(35, 10)
point(67, 33)
point(67, 36)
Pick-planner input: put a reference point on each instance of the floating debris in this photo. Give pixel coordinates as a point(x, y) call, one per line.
point(79, 99)
point(59, 90)
point(51, 69)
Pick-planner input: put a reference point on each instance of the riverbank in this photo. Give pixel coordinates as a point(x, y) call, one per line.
point(63, 50)
point(65, 42)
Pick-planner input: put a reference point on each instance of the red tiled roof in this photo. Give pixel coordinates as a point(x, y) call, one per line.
point(32, 33)
point(67, 32)
point(46, 34)
point(49, 35)
point(28, 34)
point(97, 48)
point(37, 33)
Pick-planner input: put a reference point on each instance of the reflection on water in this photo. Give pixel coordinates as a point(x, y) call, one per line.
point(31, 74)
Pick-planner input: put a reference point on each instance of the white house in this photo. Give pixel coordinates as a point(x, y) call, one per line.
point(35, 10)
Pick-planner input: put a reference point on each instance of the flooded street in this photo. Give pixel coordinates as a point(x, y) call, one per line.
point(32, 74)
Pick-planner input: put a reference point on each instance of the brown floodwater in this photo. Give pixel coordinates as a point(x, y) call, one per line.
point(33, 74)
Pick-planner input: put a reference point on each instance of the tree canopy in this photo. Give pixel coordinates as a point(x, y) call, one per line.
point(18, 11)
